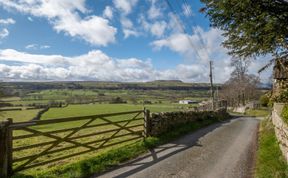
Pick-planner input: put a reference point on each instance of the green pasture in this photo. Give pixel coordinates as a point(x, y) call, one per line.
point(166, 102)
point(131, 96)
point(94, 109)
point(79, 110)
point(76, 124)
point(7, 99)
point(19, 116)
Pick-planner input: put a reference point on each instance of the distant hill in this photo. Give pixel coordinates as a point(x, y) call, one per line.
point(164, 81)
point(152, 85)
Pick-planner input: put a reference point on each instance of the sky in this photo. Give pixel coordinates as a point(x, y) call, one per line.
point(111, 40)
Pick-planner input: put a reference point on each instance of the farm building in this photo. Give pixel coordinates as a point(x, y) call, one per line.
point(187, 102)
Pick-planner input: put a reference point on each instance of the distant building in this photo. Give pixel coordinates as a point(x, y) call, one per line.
point(187, 102)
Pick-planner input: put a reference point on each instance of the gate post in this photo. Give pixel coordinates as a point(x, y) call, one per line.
point(147, 123)
point(5, 149)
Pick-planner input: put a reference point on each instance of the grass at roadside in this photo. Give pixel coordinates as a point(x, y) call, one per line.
point(270, 162)
point(115, 156)
point(257, 112)
point(284, 114)
point(262, 112)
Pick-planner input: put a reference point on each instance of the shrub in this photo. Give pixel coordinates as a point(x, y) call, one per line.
point(147, 102)
point(282, 98)
point(117, 100)
point(264, 100)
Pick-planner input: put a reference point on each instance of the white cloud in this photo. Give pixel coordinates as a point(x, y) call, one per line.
point(36, 46)
point(65, 17)
point(95, 65)
point(126, 23)
point(45, 46)
point(128, 27)
point(258, 64)
point(202, 44)
point(154, 11)
point(156, 28)
point(176, 42)
point(8, 21)
point(31, 46)
point(130, 32)
point(30, 19)
point(198, 49)
point(4, 33)
point(93, 29)
point(108, 12)
point(125, 6)
point(187, 10)
point(13, 55)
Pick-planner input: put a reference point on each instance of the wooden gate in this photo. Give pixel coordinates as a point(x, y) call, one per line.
point(27, 145)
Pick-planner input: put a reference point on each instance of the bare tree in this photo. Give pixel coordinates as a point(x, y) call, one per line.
point(241, 87)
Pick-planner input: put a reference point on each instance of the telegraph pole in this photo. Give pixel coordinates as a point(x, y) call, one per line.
point(211, 85)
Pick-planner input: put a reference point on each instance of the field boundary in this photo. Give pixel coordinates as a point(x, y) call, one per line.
point(62, 139)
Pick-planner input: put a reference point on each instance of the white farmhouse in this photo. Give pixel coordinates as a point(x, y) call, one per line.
point(187, 102)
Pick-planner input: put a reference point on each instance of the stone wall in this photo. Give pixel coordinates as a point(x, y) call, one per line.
point(40, 113)
point(281, 129)
point(161, 122)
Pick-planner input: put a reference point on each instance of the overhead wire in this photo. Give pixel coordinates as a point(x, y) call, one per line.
point(180, 24)
point(192, 26)
point(201, 39)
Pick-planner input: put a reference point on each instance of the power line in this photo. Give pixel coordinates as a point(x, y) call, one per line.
point(182, 27)
point(186, 6)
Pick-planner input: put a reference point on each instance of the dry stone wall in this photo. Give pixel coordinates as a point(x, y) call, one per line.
point(281, 131)
point(162, 122)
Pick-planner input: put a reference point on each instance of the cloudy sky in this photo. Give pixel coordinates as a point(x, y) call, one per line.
point(111, 40)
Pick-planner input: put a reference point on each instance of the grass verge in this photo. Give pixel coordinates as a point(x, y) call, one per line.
point(257, 112)
point(112, 158)
point(270, 161)
point(284, 114)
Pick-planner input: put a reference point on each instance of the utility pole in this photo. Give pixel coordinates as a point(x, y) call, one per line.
point(211, 85)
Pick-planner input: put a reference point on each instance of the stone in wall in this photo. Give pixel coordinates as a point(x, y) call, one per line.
point(162, 122)
point(281, 132)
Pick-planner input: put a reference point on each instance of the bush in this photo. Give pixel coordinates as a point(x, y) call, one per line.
point(282, 98)
point(264, 100)
point(147, 102)
point(284, 113)
point(117, 100)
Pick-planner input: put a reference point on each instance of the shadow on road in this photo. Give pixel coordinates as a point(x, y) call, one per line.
point(161, 152)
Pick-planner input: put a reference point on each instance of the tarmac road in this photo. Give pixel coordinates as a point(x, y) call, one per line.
point(222, 150)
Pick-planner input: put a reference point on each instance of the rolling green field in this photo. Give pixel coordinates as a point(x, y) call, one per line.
point(19, 116)
point(88, 109)
point(94, 109)
point(72, 111)
point(74, 124)
point(87, 100)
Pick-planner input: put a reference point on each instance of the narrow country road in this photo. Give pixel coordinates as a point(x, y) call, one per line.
point(223, 150)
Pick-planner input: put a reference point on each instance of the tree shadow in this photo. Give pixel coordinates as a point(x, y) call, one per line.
point(162, 152)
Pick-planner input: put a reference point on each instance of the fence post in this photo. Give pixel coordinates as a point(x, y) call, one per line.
point(6, 149)
point(147, 123)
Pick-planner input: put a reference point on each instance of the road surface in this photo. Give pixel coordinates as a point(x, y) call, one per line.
point(222, 150)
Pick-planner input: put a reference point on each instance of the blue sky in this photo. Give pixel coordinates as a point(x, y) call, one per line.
point(114, 40)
